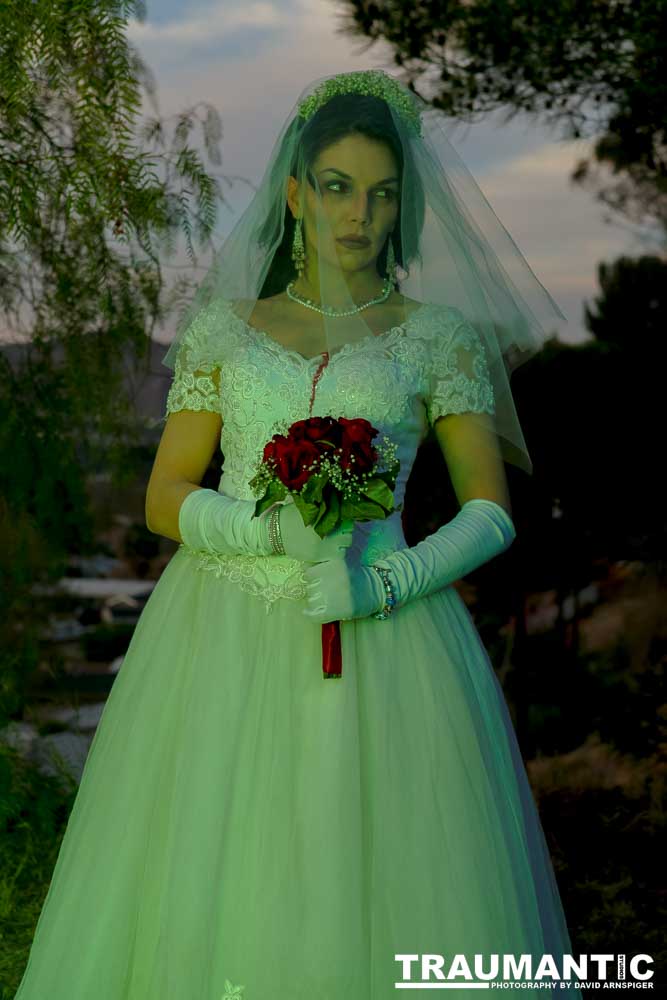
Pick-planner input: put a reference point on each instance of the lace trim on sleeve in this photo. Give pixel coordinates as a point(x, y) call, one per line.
point(198, 390)
point(459, 380)
point(196, 381)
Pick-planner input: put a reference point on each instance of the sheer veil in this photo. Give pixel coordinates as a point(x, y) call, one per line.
point(433, 243)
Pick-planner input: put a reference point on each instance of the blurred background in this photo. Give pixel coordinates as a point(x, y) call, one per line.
point(131, 138)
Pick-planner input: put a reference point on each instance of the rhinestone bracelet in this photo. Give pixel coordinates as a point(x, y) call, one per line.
point(274, 531)
point(390, 600)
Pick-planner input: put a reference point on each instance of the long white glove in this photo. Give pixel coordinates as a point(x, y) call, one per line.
point(217, 523)
point(481, 530)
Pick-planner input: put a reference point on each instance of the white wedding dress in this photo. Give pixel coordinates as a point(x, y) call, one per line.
point(246, 828)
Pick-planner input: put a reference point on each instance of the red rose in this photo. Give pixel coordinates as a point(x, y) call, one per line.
point(359, 456)
point(315, 429)
point(297, 431)
point(269, 452)
point(358, 429)
point(292, 460)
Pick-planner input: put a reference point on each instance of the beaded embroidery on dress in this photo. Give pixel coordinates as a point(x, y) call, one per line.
point(402, 380)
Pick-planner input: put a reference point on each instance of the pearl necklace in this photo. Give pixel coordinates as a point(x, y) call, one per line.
point(328, 311)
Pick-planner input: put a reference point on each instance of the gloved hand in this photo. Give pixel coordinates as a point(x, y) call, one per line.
point(217, 523)
point(220, 524)
point(303, 542)
point(337, 591)
point(481, 530)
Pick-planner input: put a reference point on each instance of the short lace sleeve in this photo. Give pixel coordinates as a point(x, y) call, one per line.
point(458, 376)
point(196, 381)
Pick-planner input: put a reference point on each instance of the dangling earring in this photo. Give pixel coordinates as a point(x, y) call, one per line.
point(391, 262)
point(298, 252)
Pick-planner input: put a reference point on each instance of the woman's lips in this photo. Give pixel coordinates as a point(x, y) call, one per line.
point(354, 244)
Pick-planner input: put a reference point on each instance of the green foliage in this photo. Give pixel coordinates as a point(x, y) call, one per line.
point(592, 416)
point(91, 200)
point(34, 809)
point(598, 69)
point(632, 300)
point(24, 558)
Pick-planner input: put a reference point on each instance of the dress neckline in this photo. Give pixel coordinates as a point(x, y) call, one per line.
point(279, 348)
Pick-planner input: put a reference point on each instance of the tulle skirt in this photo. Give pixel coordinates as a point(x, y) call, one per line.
point(245, 828)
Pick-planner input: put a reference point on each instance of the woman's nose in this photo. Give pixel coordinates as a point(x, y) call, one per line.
point(361, 208)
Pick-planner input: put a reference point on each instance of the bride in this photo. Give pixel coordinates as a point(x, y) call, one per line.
point(243, 829)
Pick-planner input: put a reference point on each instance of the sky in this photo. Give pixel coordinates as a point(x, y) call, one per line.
point(252, 59)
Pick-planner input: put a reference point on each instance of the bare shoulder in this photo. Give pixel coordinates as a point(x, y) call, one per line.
point(405, 303)
point(262, 311)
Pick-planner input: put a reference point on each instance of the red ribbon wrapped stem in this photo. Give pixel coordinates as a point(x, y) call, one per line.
point(332, 660)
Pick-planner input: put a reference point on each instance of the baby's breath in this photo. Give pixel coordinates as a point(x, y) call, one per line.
point(349, 483)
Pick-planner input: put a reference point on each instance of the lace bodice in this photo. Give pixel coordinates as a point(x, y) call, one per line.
point(401, 381)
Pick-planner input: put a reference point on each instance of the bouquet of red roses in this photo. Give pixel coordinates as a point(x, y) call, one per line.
point(334, 473)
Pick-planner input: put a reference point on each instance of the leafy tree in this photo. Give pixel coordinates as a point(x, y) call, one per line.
point(632, 306)
point(598, 67)
point(91, 200)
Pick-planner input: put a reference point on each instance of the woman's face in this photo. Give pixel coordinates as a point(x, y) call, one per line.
point(358, 195)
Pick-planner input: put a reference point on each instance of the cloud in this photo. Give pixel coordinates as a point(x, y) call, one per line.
point(556, 224)
point(221, 24)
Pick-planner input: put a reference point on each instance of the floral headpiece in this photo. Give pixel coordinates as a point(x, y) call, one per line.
point(367, 81)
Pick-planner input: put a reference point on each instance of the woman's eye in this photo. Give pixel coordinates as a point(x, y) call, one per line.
point(338, 187)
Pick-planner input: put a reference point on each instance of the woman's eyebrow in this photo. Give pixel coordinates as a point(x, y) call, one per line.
point(341, 173)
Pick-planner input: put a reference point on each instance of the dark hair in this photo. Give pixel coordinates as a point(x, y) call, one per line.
point(343, 115)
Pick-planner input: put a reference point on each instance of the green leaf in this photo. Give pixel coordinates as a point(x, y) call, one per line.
point(314, 487)
point(309, 511)
point(329, 515)
point(378, 491)
point(275, 491)
point(362, 510)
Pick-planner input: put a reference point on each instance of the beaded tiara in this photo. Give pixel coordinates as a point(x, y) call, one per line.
point(367, 81)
